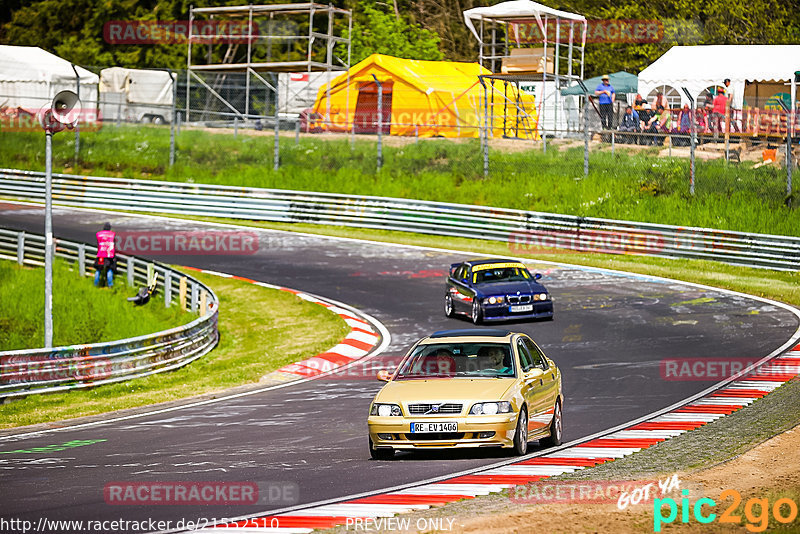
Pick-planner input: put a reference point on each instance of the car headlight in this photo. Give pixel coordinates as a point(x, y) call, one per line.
point(490, 408)
point(540, 296)
point(493, 300)
point(385, 410)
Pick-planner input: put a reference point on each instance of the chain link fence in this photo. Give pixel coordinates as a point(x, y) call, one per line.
point(470, 125)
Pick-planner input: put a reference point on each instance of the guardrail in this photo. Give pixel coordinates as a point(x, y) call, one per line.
point(523, 230)
point(25, 372)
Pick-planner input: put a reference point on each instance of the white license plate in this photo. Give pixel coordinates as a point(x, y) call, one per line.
point(522, 308)
point(423, 428)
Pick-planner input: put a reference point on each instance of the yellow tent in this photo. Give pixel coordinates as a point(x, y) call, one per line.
point(426, 98)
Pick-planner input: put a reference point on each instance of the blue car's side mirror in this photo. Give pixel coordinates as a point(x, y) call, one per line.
point(537, 276)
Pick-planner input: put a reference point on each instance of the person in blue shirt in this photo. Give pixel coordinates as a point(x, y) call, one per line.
point(605, 98)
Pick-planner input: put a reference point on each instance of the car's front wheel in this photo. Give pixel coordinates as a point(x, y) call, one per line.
point(380, 454)
point(477, 312)
point(448, 306)
point(556, 427)
point(521, 434)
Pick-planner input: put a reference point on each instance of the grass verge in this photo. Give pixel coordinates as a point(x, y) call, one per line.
point(639, 186)
point(82, 313)
point(260, 330)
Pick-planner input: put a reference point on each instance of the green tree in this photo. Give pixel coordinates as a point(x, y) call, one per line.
point(376, 31)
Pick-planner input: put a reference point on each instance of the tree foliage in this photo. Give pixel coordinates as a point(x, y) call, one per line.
point(378, 31)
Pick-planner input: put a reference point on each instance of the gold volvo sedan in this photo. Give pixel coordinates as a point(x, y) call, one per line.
point(468, 388)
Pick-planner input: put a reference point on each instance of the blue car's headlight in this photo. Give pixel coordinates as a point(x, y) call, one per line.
point(494, 300)
point(540, 296)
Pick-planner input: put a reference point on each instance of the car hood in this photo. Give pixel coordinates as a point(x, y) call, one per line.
point(444, 389)
point(510, 288)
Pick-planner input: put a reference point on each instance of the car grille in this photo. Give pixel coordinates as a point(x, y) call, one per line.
point(519, 299)
point(435, 436)
point(427, 409)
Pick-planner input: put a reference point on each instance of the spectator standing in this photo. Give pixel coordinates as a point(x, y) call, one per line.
point(718, 111)
point(105, 262)
point(605, 99)
point(736, 112)
point(660, 100)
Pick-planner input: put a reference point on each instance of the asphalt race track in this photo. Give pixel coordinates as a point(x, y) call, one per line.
point(610, 334)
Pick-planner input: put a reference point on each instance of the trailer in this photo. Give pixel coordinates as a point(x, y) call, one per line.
point(136, 95)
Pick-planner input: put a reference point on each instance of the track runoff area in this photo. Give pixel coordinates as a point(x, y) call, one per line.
point(623, 342)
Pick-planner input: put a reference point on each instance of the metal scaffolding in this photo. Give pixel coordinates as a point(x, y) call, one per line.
point(256, 42)
point(561, 36)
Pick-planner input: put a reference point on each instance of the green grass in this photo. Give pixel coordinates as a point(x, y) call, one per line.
point(632, 186)
point(82, 313)
point(260, 330)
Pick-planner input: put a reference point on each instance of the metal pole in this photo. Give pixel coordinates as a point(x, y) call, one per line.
point(235, 127)
point(297, 132)
point(380, 122)
point(174, 79)
point(485, 128)
point(692, 140)
point(612, 143)
point(48, 241)
point(277, 139)
point(585, 128)
point(77, 128)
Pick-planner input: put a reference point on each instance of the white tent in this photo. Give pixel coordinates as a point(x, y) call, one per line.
point(699, 67)
point(30, 77)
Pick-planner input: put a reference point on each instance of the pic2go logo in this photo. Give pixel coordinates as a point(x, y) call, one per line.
point(756, 511)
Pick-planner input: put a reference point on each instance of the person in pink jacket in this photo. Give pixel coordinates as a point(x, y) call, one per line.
point(105, 262)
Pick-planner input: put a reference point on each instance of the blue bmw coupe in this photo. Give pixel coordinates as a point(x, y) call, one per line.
point(496, 290)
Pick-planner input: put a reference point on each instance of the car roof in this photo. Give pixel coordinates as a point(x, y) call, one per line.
point(469, 335)
point(484, 261)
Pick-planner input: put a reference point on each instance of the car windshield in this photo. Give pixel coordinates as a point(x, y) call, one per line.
point(457, 360)
point(500, 274)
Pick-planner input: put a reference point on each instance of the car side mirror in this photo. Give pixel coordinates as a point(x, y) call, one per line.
point(534, 373)
point(537, 276)
point(384, 375)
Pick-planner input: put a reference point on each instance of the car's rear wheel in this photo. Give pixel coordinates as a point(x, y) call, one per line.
point(556, 426)
point(477, 313)
point(380, 454)
point(448, 306)
point(521, 434)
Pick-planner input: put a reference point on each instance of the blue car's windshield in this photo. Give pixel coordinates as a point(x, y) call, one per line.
point(501, 274)
point(446, 360)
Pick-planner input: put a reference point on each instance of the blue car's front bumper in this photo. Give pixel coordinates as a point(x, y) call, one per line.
point(541, 310)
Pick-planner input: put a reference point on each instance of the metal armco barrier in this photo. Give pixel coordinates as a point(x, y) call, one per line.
point(525, 231)
point(25, 372)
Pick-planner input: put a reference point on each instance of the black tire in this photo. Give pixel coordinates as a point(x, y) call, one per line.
point(448, 306)
point(380, 454)
point(556, 427)
point(477, 313)
point(521, 433)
